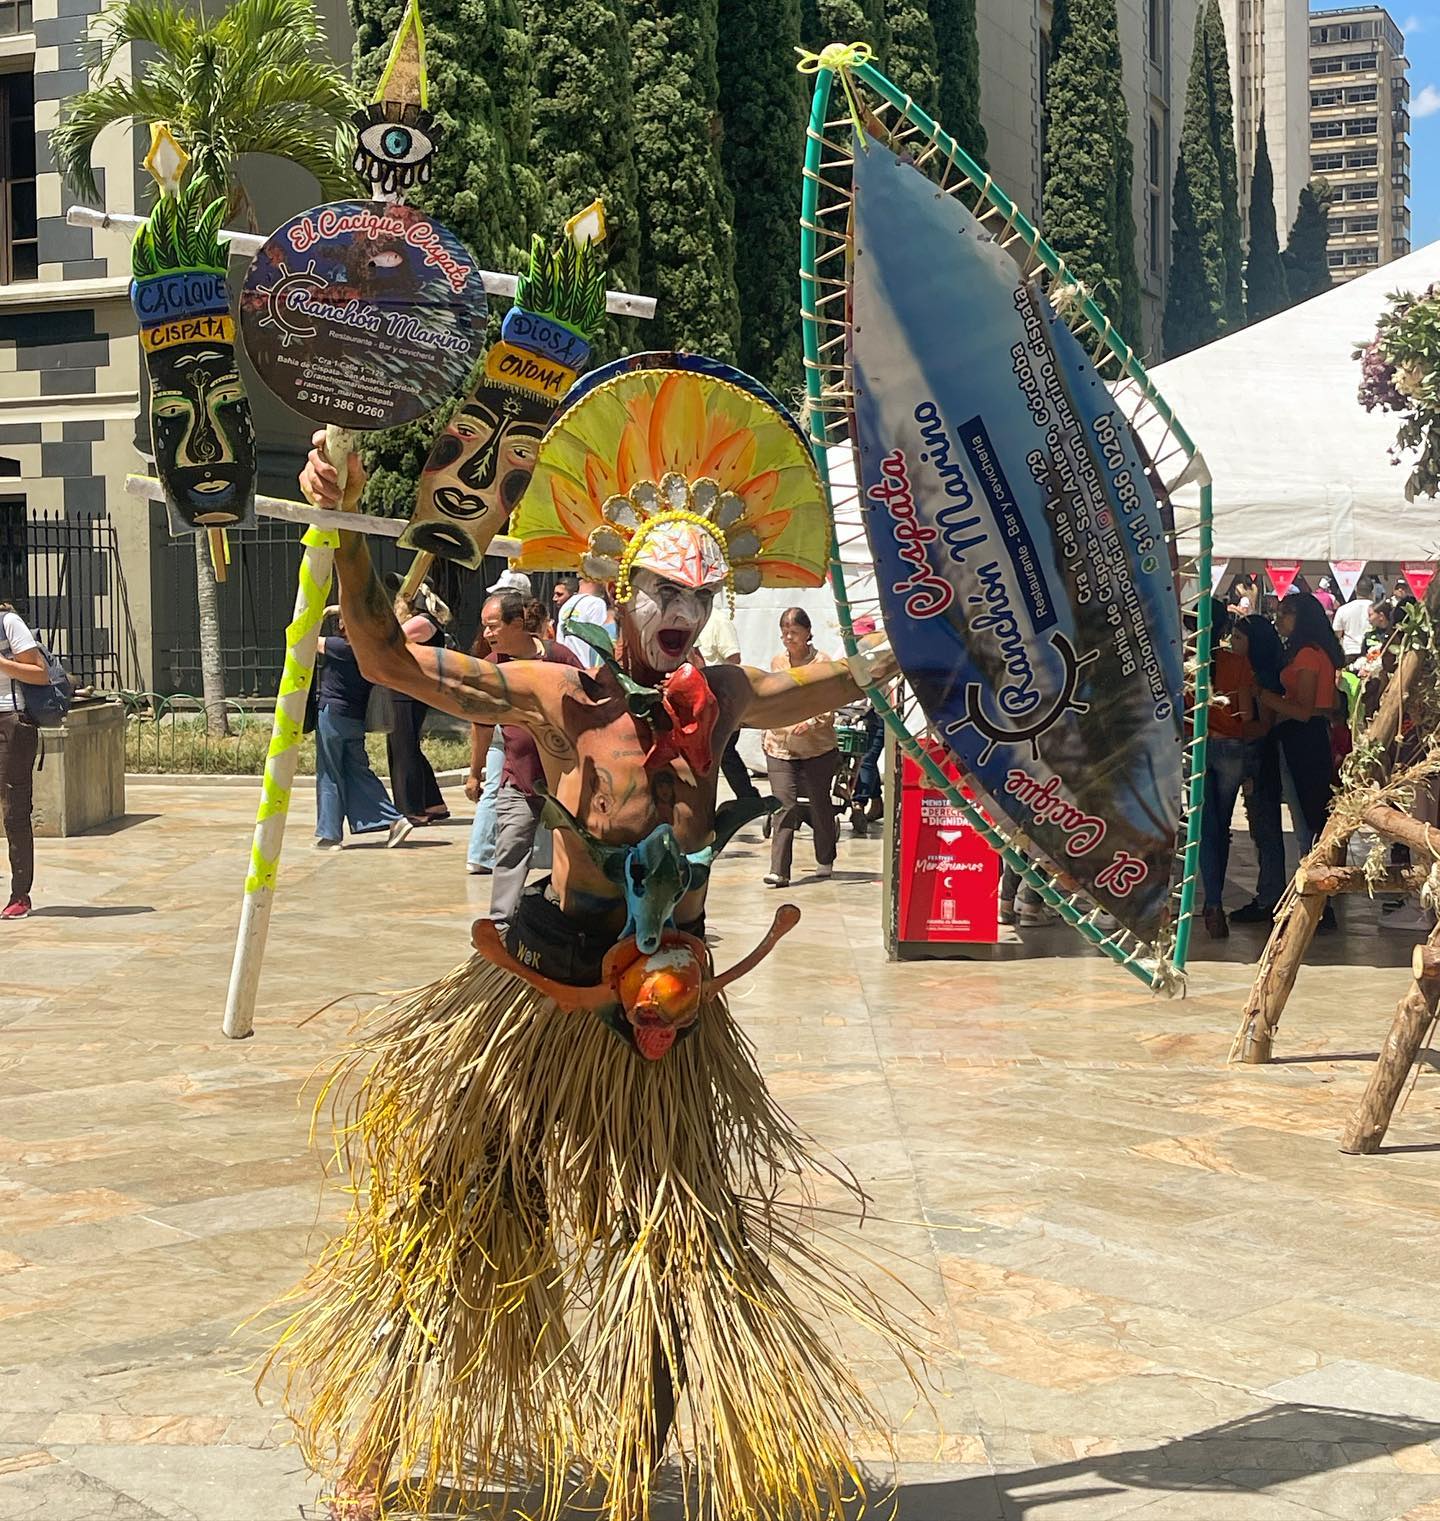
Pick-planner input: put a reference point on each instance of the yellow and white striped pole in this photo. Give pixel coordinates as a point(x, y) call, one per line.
point(301, 637)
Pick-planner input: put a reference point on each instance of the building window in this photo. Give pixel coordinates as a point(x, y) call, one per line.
point(1363, 224)
point(1319, 129)
point(1155, 180)
point(19, 244)
point(15, 17)
point(1157, 32)
point(1361, 95)
point(1361, 63)
point(1334, 258)
point(1320, 162)
point(1357, 256)
point(1366, 190)
point(1327, 65)
point(1366, 158)
point(1328, 97)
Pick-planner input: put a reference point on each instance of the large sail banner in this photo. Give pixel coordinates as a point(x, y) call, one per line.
point(1018, 544)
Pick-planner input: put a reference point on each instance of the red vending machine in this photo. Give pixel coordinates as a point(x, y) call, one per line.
point(947, 878)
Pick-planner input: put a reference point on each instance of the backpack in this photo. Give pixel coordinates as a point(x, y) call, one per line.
point(45, 705)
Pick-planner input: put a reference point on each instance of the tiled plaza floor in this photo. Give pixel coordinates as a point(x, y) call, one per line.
point(1165, 1293)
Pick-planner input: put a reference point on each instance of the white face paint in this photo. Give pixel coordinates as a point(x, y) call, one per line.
point(666, 619)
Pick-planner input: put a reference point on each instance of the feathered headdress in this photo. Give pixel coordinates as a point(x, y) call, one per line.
point(681, 464)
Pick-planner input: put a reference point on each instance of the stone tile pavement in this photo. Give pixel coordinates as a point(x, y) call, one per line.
point(1164, 1293)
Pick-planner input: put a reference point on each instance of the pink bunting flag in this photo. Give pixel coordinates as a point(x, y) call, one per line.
point(1282, 575)
point(1419, 574)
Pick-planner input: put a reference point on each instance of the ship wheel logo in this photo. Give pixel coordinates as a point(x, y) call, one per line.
point(997, 732)
point(276, 309)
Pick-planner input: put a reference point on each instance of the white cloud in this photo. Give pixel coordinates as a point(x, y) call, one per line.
point(1413, 24)
point(1426, 103)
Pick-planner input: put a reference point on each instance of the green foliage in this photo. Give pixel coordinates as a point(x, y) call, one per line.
point(582, 136)
point(1196, 305)
point(957, 51)
point(257, 78)
point(480, 186)
point(1128, 314)
point(912, 62)
point(826, 21)
point(1222, 130)
point(762, 100)
point(1265, 289)
point(687, 252)
point(1086, 220)
point(566, 283)
point(1307, 269)
point(181, 233)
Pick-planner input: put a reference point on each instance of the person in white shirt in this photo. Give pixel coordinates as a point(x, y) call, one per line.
point(1352, 622)
point(588, 605)
point(719, 644)
point(20, 663)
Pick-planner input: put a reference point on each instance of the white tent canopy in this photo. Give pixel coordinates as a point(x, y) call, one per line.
point(1301, 470)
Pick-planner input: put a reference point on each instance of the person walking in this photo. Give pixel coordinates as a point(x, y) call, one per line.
point(517, 809)
point(346, 789)
point(21, 664)
point(1255, 640)
point(587, 605)
point(801, 757)
point(719, 644)
point(423, 618)
point(1352, 622)
point(1304, 713)
point(1234, 728)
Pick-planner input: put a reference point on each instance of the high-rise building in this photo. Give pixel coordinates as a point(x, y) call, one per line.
point(1155, 42)
point(1360, 134)
point(1268, 46)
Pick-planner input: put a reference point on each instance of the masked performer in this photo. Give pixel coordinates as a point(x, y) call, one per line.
point(582, 1209)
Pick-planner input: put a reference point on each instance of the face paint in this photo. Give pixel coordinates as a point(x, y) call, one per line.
point(200, 425)
point(476, 473)
point(665, 619)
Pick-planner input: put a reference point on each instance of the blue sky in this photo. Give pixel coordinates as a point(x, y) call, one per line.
point(1420, 21)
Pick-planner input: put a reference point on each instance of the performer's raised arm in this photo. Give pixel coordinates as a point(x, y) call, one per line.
point(445, 679)
point(781, 698)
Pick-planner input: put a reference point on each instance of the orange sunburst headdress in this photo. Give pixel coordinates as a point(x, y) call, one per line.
point(679, 464)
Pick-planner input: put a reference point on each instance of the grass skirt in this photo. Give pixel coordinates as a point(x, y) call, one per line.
point(547, 1234)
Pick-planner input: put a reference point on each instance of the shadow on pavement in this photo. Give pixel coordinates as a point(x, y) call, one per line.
point(1255, 1454)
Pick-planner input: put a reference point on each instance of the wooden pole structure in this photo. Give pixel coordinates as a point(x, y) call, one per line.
point(1299, 912)
point(1414, 1019)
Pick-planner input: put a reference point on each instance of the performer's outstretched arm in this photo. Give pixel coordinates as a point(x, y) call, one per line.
point(779, 699)
point(459, 684)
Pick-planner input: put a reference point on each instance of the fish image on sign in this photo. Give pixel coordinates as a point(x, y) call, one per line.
point(1019, 545)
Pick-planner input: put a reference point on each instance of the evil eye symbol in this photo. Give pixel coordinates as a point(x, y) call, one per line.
point(394, 145)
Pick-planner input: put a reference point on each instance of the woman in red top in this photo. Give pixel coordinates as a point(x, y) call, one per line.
point(1234, 726)
point(1304, 711)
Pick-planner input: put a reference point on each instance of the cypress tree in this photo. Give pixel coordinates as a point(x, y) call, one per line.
point(1195, 306)
point(957, 48)
point(1222, 130)
point(478, 63)
point(582, 140)
point(912, 62)
point(1192, 299)
point(1307, 270)
point(762, 101)
point(1088, 158)
point(687, 252)
point(826, 21)
point(1265, 290)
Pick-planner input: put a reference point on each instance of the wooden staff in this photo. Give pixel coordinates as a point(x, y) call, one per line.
point(1298, 914)
point(1414, 1019)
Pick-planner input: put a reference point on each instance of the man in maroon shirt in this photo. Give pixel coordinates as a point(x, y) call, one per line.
point(517, 809)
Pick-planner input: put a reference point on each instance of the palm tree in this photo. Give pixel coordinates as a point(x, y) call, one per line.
point(257, 78)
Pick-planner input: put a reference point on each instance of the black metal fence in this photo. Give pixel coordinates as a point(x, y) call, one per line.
point(258, 596)
point(64, 574)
